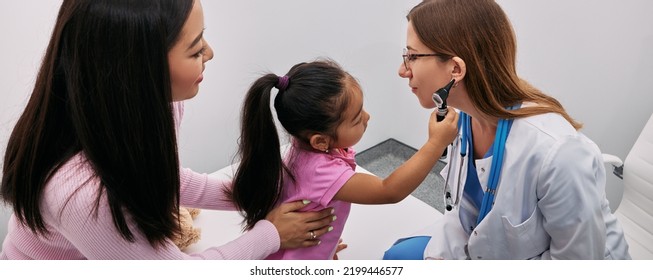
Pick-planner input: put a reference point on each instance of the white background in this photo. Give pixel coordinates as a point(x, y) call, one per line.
point(596, 57)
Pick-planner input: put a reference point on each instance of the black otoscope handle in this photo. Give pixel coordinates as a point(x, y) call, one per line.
point(439, 117)
point(440, 99)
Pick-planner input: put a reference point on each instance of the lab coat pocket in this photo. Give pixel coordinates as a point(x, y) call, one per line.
point(527, 239)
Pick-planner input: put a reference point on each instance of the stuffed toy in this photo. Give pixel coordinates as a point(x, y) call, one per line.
point(189, 234)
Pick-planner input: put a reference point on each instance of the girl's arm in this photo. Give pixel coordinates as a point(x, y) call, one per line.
point(369, 189)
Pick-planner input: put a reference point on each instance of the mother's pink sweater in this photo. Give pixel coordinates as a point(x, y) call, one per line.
point(77, 233)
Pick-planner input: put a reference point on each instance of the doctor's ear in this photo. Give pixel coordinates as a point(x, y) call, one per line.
point(459, 69)
point(320, 142)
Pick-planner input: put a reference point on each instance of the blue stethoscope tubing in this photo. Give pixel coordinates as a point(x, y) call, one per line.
point(498, 150)
point(495, 169)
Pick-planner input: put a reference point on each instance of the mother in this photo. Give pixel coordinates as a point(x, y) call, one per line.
point(91, 168)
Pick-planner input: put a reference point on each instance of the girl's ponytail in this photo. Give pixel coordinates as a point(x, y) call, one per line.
point(257, 183)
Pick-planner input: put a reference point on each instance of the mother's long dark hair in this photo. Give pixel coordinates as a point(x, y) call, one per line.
point(103, 90)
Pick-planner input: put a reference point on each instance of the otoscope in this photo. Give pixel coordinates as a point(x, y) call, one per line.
point(440, 99)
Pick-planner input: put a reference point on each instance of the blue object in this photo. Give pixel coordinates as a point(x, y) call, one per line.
point(411, 248)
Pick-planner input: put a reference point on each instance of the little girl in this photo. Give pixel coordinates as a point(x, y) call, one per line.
point(321, 106)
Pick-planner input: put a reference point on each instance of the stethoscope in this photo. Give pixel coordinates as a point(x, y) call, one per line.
point(498, 149)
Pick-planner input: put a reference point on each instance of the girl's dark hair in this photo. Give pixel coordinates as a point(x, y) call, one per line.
point(103, 90)
point(313, 102)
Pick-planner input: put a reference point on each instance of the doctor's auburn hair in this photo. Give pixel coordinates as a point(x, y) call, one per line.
point(312, 102)
point(480, 33)
point(103, 91)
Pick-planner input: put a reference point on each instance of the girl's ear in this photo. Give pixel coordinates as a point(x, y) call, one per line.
point(320, 142)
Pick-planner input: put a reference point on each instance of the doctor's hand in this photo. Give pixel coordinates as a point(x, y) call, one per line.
point(299, 229)
point(442, 133)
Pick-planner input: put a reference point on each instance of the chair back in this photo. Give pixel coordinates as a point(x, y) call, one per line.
point(635, 213)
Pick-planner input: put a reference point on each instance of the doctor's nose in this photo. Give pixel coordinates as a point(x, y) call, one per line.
point(403, 71)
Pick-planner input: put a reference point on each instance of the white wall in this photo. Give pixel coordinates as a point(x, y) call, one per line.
point(594, 56)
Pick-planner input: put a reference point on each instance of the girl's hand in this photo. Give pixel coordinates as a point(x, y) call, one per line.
point(299, 229)
point(444, 132)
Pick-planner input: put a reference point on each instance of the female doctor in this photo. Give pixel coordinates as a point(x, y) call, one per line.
point(521, 181)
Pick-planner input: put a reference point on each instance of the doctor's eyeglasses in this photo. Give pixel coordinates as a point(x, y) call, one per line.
point(410, 57)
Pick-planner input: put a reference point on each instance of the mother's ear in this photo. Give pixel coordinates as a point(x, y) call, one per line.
point(459, 69)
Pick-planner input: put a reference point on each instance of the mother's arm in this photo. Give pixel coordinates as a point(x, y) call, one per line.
point(208, 192)
point(201, 190)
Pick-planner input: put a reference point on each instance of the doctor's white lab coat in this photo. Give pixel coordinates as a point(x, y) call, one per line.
point(550, 201)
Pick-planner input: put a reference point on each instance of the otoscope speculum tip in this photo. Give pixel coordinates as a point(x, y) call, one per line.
point(440, 96)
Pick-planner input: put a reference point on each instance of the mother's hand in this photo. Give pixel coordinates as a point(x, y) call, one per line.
point(299, 229)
